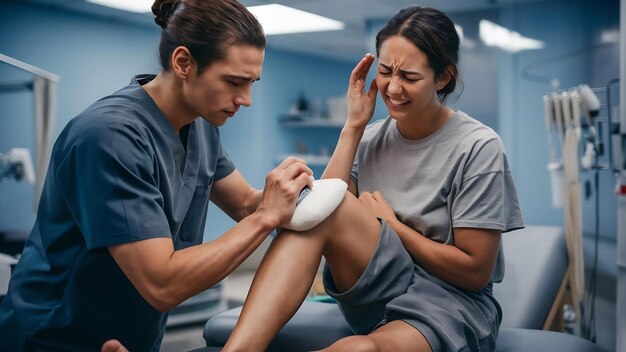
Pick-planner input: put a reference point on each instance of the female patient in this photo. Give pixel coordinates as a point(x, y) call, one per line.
point(412, 260)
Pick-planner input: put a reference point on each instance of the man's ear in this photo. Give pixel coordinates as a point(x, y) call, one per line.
point(183, 64)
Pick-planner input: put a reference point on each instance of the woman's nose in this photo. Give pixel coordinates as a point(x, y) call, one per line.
point(395, 85)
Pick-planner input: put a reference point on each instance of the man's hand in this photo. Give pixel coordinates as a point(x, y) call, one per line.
point(113, 346)
point(282, 186)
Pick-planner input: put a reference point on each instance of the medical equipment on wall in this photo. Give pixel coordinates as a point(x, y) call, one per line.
point(43, 86)
point(6, 266)
point(575, 121)
point(17, 164)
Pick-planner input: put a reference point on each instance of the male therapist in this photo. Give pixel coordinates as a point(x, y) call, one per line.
point(117, 239)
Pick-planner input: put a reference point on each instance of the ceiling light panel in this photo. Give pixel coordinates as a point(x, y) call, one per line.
point(279, 19)
point(139, 6)
point(495, 35)
point(275, 18)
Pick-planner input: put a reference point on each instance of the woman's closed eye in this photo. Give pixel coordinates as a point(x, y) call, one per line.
point(411, 78)
point(403, 77)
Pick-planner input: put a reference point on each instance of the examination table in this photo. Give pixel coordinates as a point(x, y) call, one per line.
point(531, 296)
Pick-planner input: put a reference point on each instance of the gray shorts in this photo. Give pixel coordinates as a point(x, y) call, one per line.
point(392, 287)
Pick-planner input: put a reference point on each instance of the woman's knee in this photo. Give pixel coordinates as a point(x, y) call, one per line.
point(349, 212)
point(348, 220)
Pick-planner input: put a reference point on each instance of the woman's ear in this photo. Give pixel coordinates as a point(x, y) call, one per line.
point(182, 63)
point(444, 78)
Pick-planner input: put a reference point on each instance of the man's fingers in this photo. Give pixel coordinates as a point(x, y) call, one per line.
point(294, 170)
point(301, 181)
point(290, 160)
point(113, 346)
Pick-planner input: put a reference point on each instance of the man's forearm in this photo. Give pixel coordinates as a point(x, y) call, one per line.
point(165, 277)
point(198, 268)
point(252, 202)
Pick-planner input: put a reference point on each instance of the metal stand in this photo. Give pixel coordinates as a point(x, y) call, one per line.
point(621, 211)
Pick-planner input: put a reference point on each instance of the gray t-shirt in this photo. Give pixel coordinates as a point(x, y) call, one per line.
point(456, 177)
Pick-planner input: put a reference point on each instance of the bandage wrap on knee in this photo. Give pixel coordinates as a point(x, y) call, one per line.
point(317, 204)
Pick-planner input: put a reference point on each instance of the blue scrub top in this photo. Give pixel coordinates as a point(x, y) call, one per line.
point(118, 173)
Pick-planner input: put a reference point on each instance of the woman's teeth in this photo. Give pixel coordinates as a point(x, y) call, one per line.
point(398, 102)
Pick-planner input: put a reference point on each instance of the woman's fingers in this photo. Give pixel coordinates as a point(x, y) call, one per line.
point(365, 197)
point(373, 90)
point(362, 68)
point(365, 65)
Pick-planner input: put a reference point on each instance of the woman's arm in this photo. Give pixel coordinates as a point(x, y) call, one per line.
point(360, 109)
point(468, 264)
point(340, 164)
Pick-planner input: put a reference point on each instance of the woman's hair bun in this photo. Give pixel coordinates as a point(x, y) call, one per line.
point(163, 10)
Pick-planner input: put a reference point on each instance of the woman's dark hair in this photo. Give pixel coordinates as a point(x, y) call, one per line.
point(206, 27)
point(433, 33)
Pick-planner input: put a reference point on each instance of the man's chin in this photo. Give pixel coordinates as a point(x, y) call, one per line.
point(216, 121)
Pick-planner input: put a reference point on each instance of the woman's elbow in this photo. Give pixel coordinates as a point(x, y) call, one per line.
point(478, 285)
point(476, 281)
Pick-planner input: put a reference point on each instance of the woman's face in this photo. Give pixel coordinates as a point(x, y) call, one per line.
point(405, 80)
point(225, 85)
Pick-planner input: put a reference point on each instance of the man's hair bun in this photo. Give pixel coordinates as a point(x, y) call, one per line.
point(163, 10)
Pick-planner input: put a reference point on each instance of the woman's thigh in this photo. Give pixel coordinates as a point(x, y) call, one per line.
point(396, 336)
point(352, 235)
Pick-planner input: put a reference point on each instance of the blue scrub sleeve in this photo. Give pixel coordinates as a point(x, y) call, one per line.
point(107, 182)
point(225, 166)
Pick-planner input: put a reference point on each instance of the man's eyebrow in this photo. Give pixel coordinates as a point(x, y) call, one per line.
point(402, 71)
point(244, 78)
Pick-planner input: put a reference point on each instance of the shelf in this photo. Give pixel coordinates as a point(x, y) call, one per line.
point(311, 122)
point(311, 160)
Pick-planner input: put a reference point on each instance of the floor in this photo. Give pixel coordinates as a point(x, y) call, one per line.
point(186, 338)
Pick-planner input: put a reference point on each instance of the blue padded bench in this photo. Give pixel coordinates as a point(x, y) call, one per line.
point(531, 294)
point(317, 325)
point(535, 278)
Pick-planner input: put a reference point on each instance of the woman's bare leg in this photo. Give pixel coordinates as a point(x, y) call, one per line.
point(397, 336)
point(347, 238)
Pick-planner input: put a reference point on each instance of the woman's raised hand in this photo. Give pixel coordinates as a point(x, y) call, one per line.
point(361, 103)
